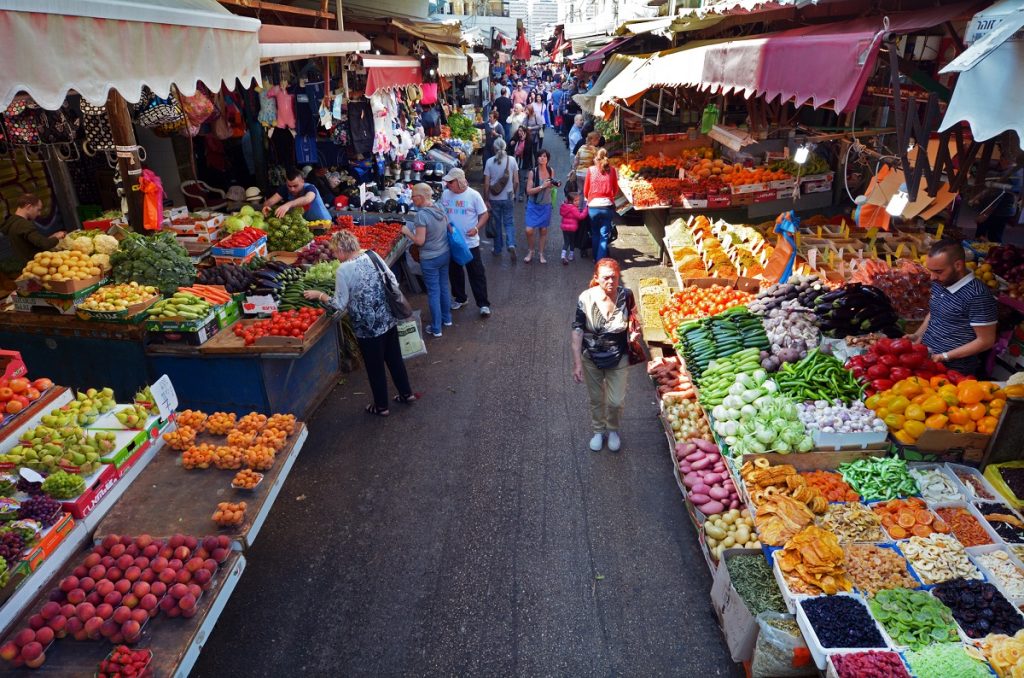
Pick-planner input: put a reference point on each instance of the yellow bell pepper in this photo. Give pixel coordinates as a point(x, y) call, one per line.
point(895, 421)
point(1015, 391)
point(934, 404)
point(914, 428)
point(938, 421)
point(874, 402)
point(899, 404)
point(915, 412)
point(904, 437)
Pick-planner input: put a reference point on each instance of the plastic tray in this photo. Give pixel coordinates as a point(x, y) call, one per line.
point(989, 576)
point(899, 647)
point(968, 490)
point(993, 535)
point(789, 596)
point(895, 547)
point(818, 651)
point(967, 639)
point(830, 668)
point(249, 489)
point(918, 571)
point(940, 468)
point(1006, 509)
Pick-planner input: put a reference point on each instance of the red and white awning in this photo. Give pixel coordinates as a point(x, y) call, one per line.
point(51, 47)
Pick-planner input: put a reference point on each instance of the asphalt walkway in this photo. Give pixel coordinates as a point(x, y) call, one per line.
point(473, 533)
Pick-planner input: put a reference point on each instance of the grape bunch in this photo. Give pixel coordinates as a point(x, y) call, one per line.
point(11, 545)
point(28, 487)
point(8, 485)
point(40, 508)
point(63, 485)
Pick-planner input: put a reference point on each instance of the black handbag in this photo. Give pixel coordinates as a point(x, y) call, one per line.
point(399, 305)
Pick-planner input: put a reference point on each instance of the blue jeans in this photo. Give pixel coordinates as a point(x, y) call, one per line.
point(600, 229)
point(439, 298)
point(504, 227)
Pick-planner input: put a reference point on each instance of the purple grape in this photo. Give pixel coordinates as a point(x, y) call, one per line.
point(11, 546)
point(28, 487)
point(40, 508)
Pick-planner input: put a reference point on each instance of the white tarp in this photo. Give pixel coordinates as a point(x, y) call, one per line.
point(481, 69)
point(989, 92)
point(50, 47)
point(292, 43)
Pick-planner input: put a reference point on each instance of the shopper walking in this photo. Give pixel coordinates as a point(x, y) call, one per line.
point(573, 210)
point(504, 107)
point(540, 188)
point(431, 235)
point(526, 157)
point(535, 119)
point(516, 120)
point(468, 213)
point(599, 188)
point(600, 350)
point(575, 134)
point(492, 131)
point(501, 185)
point(359, 289)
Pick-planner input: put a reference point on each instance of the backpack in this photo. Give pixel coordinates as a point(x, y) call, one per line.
point(499, 186)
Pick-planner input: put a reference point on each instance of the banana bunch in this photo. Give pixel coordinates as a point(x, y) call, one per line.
point(181, 305)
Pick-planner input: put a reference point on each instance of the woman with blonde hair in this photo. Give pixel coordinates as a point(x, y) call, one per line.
point(600, 188)
point(585, 156)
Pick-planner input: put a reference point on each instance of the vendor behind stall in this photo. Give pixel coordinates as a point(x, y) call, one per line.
point(20, 229)
point(961, 321)
point(297, 193)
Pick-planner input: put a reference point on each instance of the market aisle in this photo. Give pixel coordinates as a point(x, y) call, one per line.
point(473, 533)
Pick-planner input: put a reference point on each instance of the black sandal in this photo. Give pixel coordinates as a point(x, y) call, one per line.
point(408, 399)
point(380, 412)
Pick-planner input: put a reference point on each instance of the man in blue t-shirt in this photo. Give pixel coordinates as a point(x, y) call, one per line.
point(297, 193)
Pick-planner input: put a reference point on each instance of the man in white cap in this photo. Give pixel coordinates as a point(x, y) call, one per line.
point(468, 213)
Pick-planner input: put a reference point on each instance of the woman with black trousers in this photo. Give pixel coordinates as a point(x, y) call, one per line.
point(359, 288)
point(526, 156)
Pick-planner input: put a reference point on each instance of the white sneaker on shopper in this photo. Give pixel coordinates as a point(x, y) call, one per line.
point(597, 442)
point(613, 441)
point(485, 311)
point(456, 305)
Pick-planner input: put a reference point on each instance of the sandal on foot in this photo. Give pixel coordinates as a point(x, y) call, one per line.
point(408, 399)
point(379, 411)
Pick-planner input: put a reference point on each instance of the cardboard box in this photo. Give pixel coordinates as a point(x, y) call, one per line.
point(785, 193)
point(743, 284)
point(946, 446)
point(738, 625)
point(748, 188)
point(766, 196)
point(55, 534)
point(12, 364)
point(36, 287)
point(719, 201)
point(180, 324)
point(132, 314)
point(63, 305)
point(131, 461)
point(198, 238)
point(782, 184)
point(241, 252)
point(218, 259)
point(743, 199)
point(815, 187)
point(694, 203)
point(228, 314)
point(193, 337)
point(97, 487)
point(811, 178)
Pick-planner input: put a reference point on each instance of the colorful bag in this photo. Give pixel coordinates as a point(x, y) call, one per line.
point(198, 107)
point(96, 125)
point(158, 112)
point(25, 122)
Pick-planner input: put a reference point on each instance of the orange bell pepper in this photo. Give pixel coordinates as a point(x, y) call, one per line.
point(971, 392)
point(904, 437)
point(882, 413)
point(957, 428)
point(936, 421)
point(874, 402)
point(958, 416)
point(987, 425)
point(938, 380)
point(976, 411)
point(918, 399)
point(934, 404)
point(908, 388)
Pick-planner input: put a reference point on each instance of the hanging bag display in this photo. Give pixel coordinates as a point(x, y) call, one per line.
point(25, 122)
point(158, 112)
point(96, 127)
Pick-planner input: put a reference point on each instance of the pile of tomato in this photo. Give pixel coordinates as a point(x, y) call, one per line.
point(243, 238)
point(380, 238)
point(280, 324)
point(701, 302)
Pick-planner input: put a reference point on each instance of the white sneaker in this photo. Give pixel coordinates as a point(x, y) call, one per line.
point(596, 442)
point(613, 441)
point(485, 311)
point(456, 305)
point(447, 324)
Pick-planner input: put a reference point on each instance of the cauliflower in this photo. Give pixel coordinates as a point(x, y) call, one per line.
point(101, 260)
point(83, 245)
point(105, 244)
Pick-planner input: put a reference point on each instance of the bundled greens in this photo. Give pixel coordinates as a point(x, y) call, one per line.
point(322, 272)
point(753, 418)
point(156, 260)
point(461, 127)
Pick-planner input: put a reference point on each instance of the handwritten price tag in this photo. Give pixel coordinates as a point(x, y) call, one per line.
point(164, 395)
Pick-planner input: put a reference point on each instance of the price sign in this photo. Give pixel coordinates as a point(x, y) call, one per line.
point(164, 395)
point(259, 304)
point(899, 250)
point(938, 231)
point(812, 258)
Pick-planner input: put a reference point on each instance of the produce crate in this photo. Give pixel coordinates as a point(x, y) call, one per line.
point(743, 199)
point(767, 195)
point(228, 313)
point(719, 201)
point(46, 302)
point(288, 342)
point(97, 224)
point(195, 335)
point(831, 672)
point(738, 625)
point(241, 252)
point(36, 287)
point(198, 238)
point(749, 285)
point(220, 259)
point(131, 315)
point(946, 446)
point(815, 187)
point(970, 493)
point(748, 188)
point(97, 486)
point(817, 460)
point(179, 325)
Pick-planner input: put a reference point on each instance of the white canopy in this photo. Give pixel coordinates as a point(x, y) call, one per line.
point(481, 69)
point(291, 43)
point(50, 47)
point(451, 60)
point(989, 92)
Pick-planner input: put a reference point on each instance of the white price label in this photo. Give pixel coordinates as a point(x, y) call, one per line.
point(259, 304)
point(164, 395)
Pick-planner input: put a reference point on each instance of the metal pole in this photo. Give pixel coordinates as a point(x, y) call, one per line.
point(128, 163)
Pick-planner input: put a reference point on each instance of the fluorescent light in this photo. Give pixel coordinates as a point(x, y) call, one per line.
point(898, 202)
point(800, 157)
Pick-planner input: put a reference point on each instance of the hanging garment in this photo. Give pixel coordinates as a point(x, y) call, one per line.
point(429, 93)
point(285, 107)
point(268, 108)
point(360, 125)
point(282, 146)
point(152, 200)
point(305, 150)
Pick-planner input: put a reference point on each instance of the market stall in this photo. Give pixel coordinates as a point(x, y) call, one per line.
point(838, 478)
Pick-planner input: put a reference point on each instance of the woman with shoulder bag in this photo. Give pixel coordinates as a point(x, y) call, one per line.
point(599, 188)
point(359, 288)
point(525, 154)
point(535, 110)
point(605, 341)
point(541, 182)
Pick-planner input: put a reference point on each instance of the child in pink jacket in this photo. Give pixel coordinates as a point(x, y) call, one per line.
point(573, 210)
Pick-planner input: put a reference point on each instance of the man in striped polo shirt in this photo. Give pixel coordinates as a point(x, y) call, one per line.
point(961, 321)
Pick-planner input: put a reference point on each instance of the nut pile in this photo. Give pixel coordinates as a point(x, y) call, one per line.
point(965, 526)
point(852, 522)
point(1006, 573)
point(938, 558)
point(875, 568)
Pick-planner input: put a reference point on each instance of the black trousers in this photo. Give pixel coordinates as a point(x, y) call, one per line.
point(381, 351)
point(477, 279)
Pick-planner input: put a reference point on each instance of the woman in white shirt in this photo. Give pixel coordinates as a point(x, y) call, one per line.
point(515, 120)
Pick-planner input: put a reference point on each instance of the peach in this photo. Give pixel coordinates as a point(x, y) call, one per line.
point(175, 564)
point(178, 590)
point(94, 598)
point(158, 588)
point(75, 625)
point(58, 623)
point(68, 584)
point(49, 610)
point(176, 540)
point(133, 573)
point(87, 584)
point(130, 601)
point(220, 554)
point(37, 662)
point(44, 636)
point(76, 596)
point(104, 587)
point(115, 574)
point(126, 540)
point(110, 628)
point(104, 611)
point(85, 611)
point(148, 575)
point(97, 572)
point(123, 586)
point(141, 562)
point(148, 602)
point(36, 621)
point(79, 572)
point(159, 564)
point(92, 628)
point(140, 615)
point(168, 576)
point(118, 550)
point(122, 614)
point(184, 577)
point(151, 551)
point(125, 561)
point(31, 651)
point(143, 540)
point(68, 610)
point(110, 540)
point(92, 560)
point(140, 589)
point(113, 598)
point(24, 637)
point(9, 651)
point(131, 630)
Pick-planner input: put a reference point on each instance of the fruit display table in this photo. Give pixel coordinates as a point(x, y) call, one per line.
point(169, 499)
point(78, 353)
point(175, 643)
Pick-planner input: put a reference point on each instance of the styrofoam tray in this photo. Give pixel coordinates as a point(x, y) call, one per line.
point(899, 647)
point(969, 491)
point(992, 534)
point(967, 639)
point(830, 668)
point(1005, 508)
point(818, 651)
point(894, 547)
point(940, 468)
point(989, 576)
point(789, 596)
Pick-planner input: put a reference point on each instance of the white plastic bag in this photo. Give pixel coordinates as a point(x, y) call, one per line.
point(410, 336)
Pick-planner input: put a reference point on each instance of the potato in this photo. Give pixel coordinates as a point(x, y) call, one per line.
point(728, 542)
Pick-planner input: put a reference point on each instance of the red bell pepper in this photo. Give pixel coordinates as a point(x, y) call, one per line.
point(870, 358)
point(878, 372)
point(855, 361)
point(859, 373)
point(900, 373)
point(911, 359)
point(920, 349)
point(882, 384)
point(883, 346)
point(889, 360)
point(900, 346)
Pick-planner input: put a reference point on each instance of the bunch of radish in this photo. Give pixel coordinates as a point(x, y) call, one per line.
point(705, 476)
point(671, 376)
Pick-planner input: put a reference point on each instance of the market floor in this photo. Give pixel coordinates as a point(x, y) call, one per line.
point(474, 533)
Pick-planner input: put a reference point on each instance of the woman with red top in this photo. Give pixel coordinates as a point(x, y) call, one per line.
point(599, 189)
